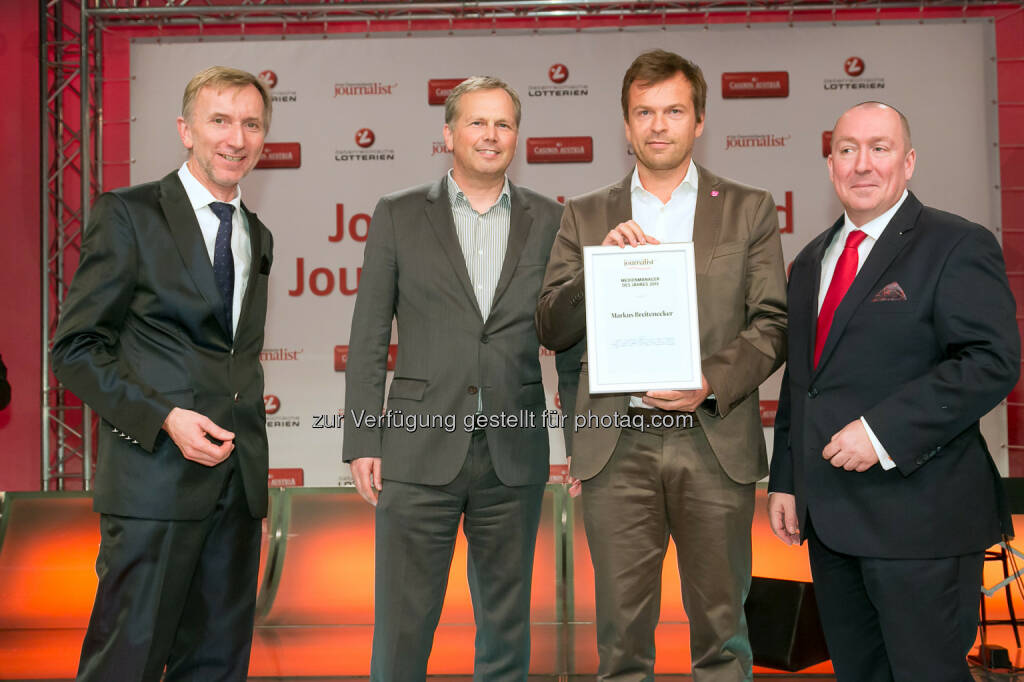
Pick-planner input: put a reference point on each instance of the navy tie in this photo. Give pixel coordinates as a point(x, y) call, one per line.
point(223, 261)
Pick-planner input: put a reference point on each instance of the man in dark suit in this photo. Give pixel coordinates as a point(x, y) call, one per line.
point(694, 482)
point(902, 335)
point(161, 334)
point(458, 263)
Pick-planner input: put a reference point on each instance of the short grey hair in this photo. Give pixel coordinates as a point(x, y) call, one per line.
point(472, 84)
point(223, 77)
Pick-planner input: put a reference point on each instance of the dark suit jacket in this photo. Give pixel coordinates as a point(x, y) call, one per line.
point(741, 301)
point(921, 370)
point(141, 332)
point(414, 271)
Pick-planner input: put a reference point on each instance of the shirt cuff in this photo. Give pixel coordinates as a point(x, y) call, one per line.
point(883, 457)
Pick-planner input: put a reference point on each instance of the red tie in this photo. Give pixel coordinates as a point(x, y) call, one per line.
point(842, 278)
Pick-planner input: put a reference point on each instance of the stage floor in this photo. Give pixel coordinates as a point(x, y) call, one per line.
point(313, 625)
point(48, 654)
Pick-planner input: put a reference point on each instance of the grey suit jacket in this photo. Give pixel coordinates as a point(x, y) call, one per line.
point(448, 355)
point(142, 332)
point(741, 302)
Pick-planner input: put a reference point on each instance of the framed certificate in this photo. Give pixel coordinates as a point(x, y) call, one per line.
point(642, 331)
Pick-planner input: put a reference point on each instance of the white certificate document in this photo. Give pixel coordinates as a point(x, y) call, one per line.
point(642, 331)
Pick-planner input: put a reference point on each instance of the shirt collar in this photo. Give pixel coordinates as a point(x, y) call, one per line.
point(689, 180)
point(873, 228)
point(455, 192)
point(198, 195)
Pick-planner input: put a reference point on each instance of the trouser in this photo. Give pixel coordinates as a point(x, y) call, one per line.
point(416, 527)
point(660, 483)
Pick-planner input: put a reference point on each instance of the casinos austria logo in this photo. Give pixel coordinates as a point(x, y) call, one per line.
point(364, 139)
point(281, 155)
point(438, 89)
point(559, 149)
point(559, 75)
point(341, 357)
point(854, 68)
point(748, 84)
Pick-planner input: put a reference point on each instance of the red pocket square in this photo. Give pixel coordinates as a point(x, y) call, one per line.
point(890, 292)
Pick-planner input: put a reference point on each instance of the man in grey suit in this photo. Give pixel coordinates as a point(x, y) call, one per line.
point(459, 264)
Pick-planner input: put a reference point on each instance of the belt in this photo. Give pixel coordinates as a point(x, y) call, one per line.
point(644, 419)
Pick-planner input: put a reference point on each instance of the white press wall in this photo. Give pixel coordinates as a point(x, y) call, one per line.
point(327, 91)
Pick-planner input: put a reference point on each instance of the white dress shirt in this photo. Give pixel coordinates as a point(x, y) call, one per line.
point(873, 229)
point(667, 222)
point(209, 223)
point(671, 222)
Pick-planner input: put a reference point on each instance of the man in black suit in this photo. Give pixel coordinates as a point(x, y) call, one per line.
point(901, 337)
point(458, 264)
point(161, 334)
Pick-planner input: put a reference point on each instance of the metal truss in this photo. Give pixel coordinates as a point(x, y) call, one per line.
point(292, 12)
point(71, 169)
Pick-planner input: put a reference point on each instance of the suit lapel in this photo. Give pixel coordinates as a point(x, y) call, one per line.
point(620, 205)
point(256, 249)
point(520, 223)
point(894, 238)
point(439, 215)
point(707, 219)
point(181, 221)
point(803, 297)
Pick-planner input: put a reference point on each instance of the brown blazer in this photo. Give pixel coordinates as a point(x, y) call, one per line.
point(741, 304)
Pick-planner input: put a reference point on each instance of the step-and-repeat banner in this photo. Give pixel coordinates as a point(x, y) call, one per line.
point(356, 118)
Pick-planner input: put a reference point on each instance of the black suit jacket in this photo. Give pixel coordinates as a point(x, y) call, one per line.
point(141, 332)
point(922, 369)
point(414, 272)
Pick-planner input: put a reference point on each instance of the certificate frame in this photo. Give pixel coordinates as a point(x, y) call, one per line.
point(643, 332)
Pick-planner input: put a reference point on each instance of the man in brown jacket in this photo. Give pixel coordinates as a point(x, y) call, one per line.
point(694, 481)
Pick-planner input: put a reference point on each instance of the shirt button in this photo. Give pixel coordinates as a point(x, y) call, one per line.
point(481, 252)
point(235, 397)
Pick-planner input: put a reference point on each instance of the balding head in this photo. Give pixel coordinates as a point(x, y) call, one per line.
point(882, 108)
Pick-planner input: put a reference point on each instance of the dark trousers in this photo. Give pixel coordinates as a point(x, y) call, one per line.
point(896, 619)
point(661, 483)
point(416, 527)
point(179, 594)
